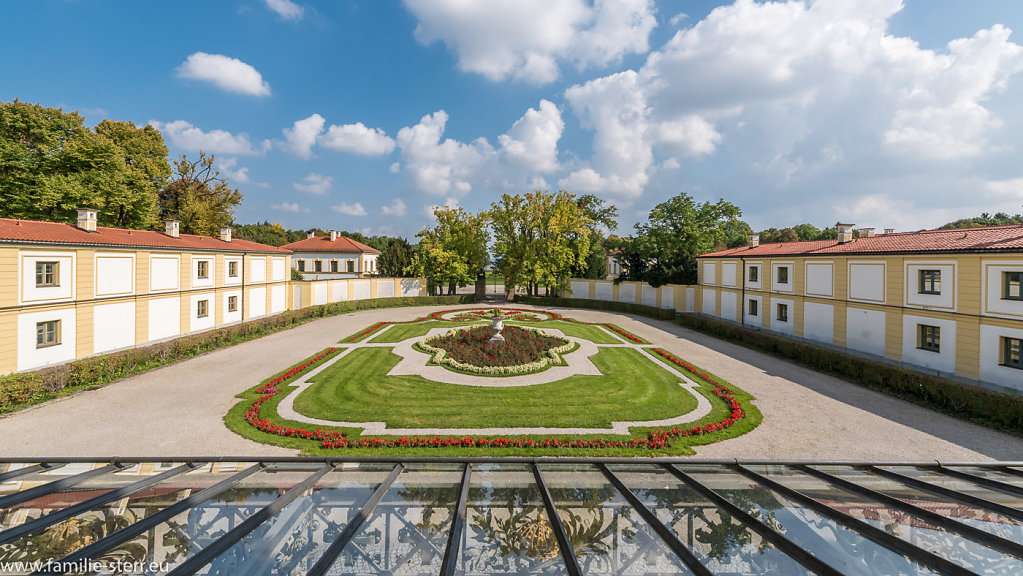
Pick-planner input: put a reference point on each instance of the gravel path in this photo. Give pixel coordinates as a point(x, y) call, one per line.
point(177, 410)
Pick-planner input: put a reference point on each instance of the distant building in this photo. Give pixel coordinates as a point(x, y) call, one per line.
point(614, 266)
point(70, 291)
point(333, 256)
point(946, 300)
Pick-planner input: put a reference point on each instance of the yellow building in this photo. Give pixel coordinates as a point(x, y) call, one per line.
point(68, 292)
point(333, 257)
point(949, 301)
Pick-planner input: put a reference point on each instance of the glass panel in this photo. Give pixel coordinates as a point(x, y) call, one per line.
point(932, 476)
point(293, 540)
point(720, 542)
point(934, 539)
point(409, 529)
point(834, 543)
point(991, 473)
point(1008, 528)
point(607, 535)
point(506, 526)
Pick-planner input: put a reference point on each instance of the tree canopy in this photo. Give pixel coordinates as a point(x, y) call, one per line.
point(985, 219)
point(454, 251)
point(198, 197)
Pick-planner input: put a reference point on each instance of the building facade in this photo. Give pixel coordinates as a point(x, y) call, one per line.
point(948, 301)
point(333, 257)
point(68, 292)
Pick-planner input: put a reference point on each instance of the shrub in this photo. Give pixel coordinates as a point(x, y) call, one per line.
point(627, 307)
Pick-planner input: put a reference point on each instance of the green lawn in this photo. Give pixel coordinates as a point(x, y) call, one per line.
point(594, 334)
point(357, 389)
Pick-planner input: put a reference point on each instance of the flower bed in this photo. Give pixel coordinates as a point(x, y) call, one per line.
point(525, 350)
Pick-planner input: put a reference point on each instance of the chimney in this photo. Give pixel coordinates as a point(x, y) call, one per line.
point(87, 219)
point(889, 231)
point(310, 234)
point(866, 232)
point(225, 234)
point(845, 233)
point(172, 228)
point(333, 235)
point(754, 240)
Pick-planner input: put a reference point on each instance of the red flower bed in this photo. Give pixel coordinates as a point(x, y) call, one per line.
point(364, 333)
point(624, 333)
point(472, 346)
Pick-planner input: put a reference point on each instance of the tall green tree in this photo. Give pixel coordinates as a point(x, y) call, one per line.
point(454, 252)
point(395, 258)
point(52, 164)
point(603, 219)
point(199, 197)
point(677, 231)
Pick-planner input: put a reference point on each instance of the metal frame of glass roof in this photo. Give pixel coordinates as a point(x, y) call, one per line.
point(567, 515)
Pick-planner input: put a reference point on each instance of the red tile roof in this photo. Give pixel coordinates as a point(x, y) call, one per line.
point(56, 233)
point(323, 244)
point(986, 239)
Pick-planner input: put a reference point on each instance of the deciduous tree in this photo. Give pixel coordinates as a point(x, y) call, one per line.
point(199, 197)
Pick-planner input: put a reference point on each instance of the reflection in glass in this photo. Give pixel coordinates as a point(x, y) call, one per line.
point(720, 542)
point(506, 526)
point(607, 535)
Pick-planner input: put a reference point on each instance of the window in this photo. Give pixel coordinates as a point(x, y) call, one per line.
point(783, 275)
point(232, 269)
point(202, 269)
point(47, 333)
point(1012, 352)
point(47, 274)
point(350, 265)
point(930, 281)
point(754, 273)
point(301, 265)
point(1013, 285)
point(333, 266)
point(318, 265)
point(232, 303)
point(783, 312)
point(754, 307)
point(930, 338)
point(203, 309)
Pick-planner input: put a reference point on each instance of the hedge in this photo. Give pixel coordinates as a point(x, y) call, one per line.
point(997, 410)
point(629, 308)
point(19, 391)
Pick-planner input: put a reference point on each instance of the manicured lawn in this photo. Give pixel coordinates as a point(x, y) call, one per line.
point(400, 332)
point(357, 389)
point(594, 334)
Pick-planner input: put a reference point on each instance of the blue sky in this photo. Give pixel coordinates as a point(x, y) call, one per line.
point(362, 115)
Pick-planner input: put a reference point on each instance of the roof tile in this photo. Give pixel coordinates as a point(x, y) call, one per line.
point(324, 244)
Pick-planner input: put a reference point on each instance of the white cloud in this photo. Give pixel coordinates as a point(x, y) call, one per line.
point(288, 207)
point(692, 135)
point(315, 184)
point(448, 203)
point(225, 73)
point(357, 139)
point(396, 209)
point(394, 168)
point(302, 135)
point(532, 141)
point(191, 138)
point(229, 167)
point(349, 209)
point(286, 9)
point(439, 167)
point(1006, 189)
point(528, 39)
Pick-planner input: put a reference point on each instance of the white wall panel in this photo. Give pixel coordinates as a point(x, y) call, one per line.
point(339, 291)
point(211, 272)
point(709, 302)
point(627, 293)
point(786, 327)
point(164, 318)
point(163, 273)
point(818, 322)
point(257, 301)
point(994, 304)
point(690, 299)
point(649, 295)
point(945, 359)
point(604, 290)
point(946, 299)
point(581, 290)
point(991, 369)
point(410, 287)
point(113, 326)
point(278, 298)
point(728, 274)
point(751, 320)
point(729, 306)
point(820, 279)
point(279, 270)
point(258, 268)
point(667, 297)
point(385, 289)
point(237, 279)
point(360, 289)
point(65, 289)
point(319, 293)
point(866, 281)
point(209, 320)
point(115, 275)
point(235, 316)
point(865, 330)
point(31, 357)
point(709, 273)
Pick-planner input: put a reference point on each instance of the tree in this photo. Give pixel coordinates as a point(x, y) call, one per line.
point(199, 197)
point(395, 258)
point(454, 251)
point(737, 233)
point(677, 231)
point(51, 164)
point(603, 218)
point(985, 219)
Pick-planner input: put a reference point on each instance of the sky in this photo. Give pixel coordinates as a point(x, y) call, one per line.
point(362, 115)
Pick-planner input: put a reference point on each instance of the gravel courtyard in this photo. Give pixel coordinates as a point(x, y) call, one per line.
point(177, 410)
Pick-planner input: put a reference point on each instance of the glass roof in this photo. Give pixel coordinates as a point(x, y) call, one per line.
point(508, 516)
